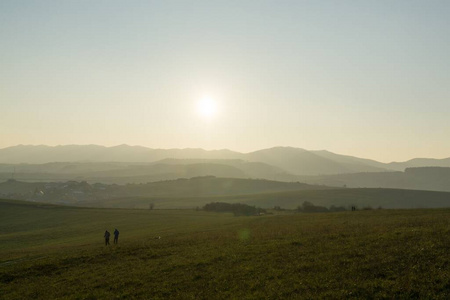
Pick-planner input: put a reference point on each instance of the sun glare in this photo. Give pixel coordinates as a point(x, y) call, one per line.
point(207, 108)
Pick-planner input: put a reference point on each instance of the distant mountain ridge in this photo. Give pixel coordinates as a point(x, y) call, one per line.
point(417, 178)
point(121, 173)
point(420, 162)
point(281, 160)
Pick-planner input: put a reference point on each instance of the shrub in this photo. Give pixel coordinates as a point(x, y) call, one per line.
point(308, 207)
point(237, 209)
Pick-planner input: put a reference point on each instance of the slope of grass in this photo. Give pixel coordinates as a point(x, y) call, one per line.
point(29, 229)
point(57, 252)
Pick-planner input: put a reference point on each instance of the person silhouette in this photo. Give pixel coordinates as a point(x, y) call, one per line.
point(116, 236)
point(107, 234)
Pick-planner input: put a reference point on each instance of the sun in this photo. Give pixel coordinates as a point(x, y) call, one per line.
point(207, 108)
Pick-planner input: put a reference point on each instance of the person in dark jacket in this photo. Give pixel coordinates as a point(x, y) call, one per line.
point(107, 234)
point(116, 236)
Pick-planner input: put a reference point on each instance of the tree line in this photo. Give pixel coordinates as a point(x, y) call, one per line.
point(237, 209)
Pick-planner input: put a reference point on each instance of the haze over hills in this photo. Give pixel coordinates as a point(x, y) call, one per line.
point(295, 161)
point(420, 162)
point(134, 164)
point(303, 162)
point(120, 172)
point(95, 153)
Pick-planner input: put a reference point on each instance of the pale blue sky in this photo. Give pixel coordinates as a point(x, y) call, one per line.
point(364, 78)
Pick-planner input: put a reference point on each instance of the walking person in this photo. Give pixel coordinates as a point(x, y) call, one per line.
point(107, 234)
point(116, 236)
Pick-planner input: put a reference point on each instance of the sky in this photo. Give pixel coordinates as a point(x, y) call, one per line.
point(363, 78)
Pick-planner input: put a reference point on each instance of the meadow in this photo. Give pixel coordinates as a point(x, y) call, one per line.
point(49, 251)
point(360, 197)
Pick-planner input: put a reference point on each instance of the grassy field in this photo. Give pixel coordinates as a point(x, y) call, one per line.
point(58, 252)
point(386, 198)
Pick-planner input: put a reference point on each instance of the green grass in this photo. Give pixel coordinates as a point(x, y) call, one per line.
point(57, 252)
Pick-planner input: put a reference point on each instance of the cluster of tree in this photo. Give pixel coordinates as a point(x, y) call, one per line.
point(237, 209)
point(278, 208)
point(308, 207)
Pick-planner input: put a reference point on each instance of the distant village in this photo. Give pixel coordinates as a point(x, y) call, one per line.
point(70, 192)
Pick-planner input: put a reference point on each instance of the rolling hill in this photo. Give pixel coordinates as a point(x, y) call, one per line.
point(196, 192)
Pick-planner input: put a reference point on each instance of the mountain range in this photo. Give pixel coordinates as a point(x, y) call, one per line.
point(281, 161)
